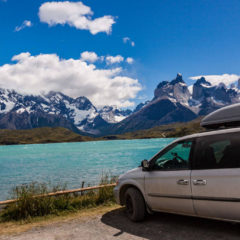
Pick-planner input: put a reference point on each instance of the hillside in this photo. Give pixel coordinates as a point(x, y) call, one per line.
point(55, 109)
point(58, 134)
point(174, 101)
point(168, 131)
point(40, 135)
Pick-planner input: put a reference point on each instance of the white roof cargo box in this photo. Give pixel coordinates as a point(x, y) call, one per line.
point(224, 117)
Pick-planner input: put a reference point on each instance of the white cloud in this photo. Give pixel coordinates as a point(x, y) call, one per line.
point(92, 57)
point(25, 24)
point(128, 40)
point(114, 59)
point(227, 79)
point(89, 56)
point(74, 77)
point(129, 60)
point(75, 14)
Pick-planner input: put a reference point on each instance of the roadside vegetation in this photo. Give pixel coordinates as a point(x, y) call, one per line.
point(29, 206)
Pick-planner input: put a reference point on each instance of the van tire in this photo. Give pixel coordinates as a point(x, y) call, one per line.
point(135, 205)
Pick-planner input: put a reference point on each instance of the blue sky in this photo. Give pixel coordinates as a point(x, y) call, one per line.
point(194, 37)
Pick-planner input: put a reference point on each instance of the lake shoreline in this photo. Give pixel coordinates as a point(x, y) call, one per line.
point(48, 135)
point(71, 163)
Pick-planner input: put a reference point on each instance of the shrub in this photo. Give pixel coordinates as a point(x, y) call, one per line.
point(32, 202)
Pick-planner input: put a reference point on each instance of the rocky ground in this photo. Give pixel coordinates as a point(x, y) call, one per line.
point(114, 225)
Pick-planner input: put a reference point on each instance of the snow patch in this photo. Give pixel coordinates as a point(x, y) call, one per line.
point(9, 106)
point(119, 118)
point(206, 85)
point(79, 115)
point(190, 89)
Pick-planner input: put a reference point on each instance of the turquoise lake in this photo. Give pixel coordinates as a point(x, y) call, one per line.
point(71, 163)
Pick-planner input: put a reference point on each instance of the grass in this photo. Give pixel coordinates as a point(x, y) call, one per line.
point(40, 135)
point(168, 131)
point(58, 134)
point(29, 207)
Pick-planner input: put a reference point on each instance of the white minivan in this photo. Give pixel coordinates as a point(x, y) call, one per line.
point(197, 175)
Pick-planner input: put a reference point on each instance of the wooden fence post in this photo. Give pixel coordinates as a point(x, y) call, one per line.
point(62, 192)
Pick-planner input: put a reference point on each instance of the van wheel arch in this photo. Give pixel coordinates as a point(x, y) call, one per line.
point(135, 204)
point(122, 197)
point(123, 191)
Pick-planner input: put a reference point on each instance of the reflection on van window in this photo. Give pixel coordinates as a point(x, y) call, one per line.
point(177, 157)
point(218, 149)
point(218, 152)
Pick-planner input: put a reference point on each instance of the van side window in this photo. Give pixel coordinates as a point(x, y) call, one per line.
point(219, 151)
point(175, 157)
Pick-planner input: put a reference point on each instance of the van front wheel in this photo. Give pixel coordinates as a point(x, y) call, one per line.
point(135, 205)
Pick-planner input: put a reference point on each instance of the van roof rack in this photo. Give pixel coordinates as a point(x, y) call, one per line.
point(226, 117)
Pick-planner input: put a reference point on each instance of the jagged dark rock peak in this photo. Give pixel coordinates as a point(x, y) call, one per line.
point(201, 89)
point(173, 102)
point(202, 80)
point(176, 89)
point(140, 106)
point(161, 84)
point(178, 79)
point(211, 97)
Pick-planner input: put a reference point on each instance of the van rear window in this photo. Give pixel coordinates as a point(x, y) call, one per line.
point(219, 151)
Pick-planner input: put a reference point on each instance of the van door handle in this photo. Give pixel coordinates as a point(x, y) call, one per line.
point(200, 182)
point(183, 182)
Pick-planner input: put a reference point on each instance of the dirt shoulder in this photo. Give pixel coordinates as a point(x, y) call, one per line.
point(111, 223)
point(17, 227)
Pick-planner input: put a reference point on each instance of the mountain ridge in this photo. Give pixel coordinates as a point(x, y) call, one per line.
point(55, 109)
point(173, 101)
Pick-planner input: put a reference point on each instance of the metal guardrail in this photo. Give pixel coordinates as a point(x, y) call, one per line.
point(62, 192)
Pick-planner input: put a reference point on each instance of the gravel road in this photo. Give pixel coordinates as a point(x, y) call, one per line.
point(115, 225)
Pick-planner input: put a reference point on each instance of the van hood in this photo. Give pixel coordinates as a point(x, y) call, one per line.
point(133, 173)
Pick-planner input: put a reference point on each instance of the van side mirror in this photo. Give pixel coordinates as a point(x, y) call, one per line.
point(145, 165)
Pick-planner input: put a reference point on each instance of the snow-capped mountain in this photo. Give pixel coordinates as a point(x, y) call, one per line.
point(174, 101)
point(112, 114)
point(201, 98)
point(176, 90)
point(18, 111)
